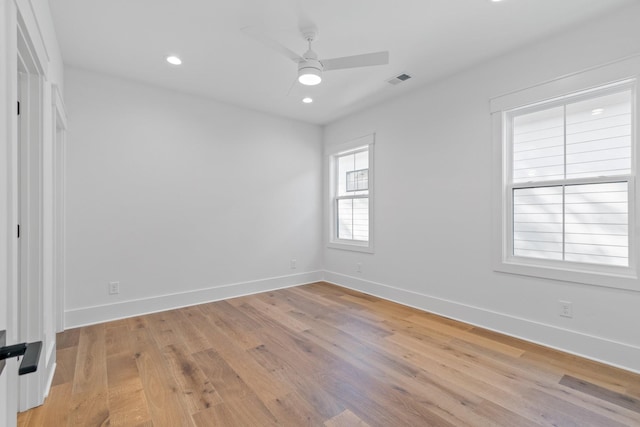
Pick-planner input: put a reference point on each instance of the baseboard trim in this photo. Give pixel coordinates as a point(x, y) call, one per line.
point(103, 313)
point(47, 388)
point(618, 354)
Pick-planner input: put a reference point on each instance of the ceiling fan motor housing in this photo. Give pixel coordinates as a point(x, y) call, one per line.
point(310, 63)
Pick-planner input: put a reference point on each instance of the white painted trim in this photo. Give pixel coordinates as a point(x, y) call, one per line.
point(621, 74)
point(27, 19)
point(58, 138)
point(27, 44)
point(8, 208)
point(614, 353)
point(40, 35)
point(58, 103)
point(332, 241)
point(31, 144)
point(614, 71)
point(52, 374)
point(48, 368)
point(102, 313)
point(37, 313)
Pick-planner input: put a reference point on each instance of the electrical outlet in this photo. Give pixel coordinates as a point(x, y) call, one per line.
point(293, 264)
point(114, 288)
point(359, 267)
point(566, 309)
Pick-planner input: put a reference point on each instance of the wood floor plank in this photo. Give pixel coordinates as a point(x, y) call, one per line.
point(278, 315)
point(117, 339)
point(196, 388)
point(65, 365)
point(495, 415)
point(24, 418)
point(89, 408)
point(306, 387)
point(194, 339)
point(223, 378)
point(252, 373)
point(219, 415)
point(444, 397)
point(294, 410)
point(380, 404)
point(597, 373)
point(271, 299)
point(128, 405)
point(561, 413)
point(633, 390)
point(241, 329)
point(601, 393)
point(90, 373)
point(345, 419)
point(55, 412)
point(163, 327)
point(305, 303)
point(137, 322)
point(121, 369)
point(236, 413)
point(322, 355)
point(68, 338)
point(160, 388)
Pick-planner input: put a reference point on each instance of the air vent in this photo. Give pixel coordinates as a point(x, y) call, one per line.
point(399, 79)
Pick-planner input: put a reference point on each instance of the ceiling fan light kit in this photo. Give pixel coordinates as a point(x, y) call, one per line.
point(310, 72)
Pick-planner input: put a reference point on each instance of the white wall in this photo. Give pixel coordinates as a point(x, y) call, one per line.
point(174, 194)
point(433, 204)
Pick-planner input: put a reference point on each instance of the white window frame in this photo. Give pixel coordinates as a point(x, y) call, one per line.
point(366, 142)
point(596, 81)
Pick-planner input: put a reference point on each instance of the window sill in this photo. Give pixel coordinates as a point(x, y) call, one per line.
point(618, 278)
point(366, 247)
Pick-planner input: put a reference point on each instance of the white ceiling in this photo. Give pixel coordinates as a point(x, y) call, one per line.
point(426, 38)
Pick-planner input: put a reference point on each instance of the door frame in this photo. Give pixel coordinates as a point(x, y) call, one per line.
point(8, 206)
point(29, 197)
point(36, 315)
point(22, 313)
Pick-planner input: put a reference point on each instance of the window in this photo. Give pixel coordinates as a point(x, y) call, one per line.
point(567, 183)
point(351, 195)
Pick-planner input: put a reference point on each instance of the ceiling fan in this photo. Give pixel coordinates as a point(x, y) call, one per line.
point(310, 67)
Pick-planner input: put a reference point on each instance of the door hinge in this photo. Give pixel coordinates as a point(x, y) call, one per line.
point(18, 231)
point(18, 107)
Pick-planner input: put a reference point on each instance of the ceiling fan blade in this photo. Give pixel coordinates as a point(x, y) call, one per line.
point(364, 60)
point(293, 84)
point(272, 44)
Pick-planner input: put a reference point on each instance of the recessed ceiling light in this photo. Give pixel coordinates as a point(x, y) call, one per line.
point(597, 111)
point(174, 60)
point(307, 100)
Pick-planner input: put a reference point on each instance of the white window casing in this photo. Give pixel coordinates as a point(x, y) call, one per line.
point(351, 193)
point(564, 178)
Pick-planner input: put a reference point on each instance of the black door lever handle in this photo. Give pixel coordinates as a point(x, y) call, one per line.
point(31, 352)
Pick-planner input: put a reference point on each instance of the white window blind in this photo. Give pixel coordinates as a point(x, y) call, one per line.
point(570, 178)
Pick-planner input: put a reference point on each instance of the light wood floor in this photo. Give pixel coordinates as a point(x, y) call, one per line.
point(322, 355)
